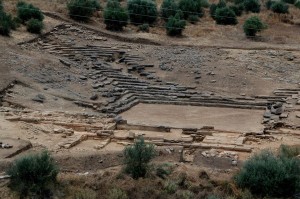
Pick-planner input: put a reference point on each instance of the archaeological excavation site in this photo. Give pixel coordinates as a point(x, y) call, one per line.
point(208, 105)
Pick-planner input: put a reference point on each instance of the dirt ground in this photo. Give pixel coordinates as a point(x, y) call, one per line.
point(72, 89)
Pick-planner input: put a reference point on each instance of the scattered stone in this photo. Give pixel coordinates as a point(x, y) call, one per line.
point(284, 115)
point(94, 97)
point(65, 62)
point(39, 98)
point(267, 114)
point(83, 77)
point(213, 81)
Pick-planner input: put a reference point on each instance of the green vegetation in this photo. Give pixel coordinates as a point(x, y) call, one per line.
point(142, 11)
point(267, 174)
point(137, 158)
point(225, 16)
point(175, 25)
point(28, 11)
point(253, 25)
point(33, 175)
point(191, 7)
point(297, 4)
point(280, 7)
point(269, 4)
point(144, 27)
point(252, 6)
point(7, 22)
point(168, 8)
point(117, 193)
point(237, 9)
point(96, 5)
point(214, 7)
point(193, 19)
point(289, 1)
point(35, 26)
point(115, 17)
point(81, 10)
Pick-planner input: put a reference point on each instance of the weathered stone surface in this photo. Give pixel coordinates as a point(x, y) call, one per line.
point(39, 98)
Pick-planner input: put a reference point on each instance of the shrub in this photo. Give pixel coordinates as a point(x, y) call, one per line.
point(170, 187)
point(1, 7)
point(117, 193)
point(28, 11)
point(269, 4)
point(268, 175)
point(252, 6)
point(212, 10)
point(33, 174)
point(144, 27)
point(115, 17)
point(253, 25)
point(221, 4)
point(137, 158)
point(204, 3)
point(191, 7)
point(225, 16)
point(193, 19)
point(175, 25)
point(185, 195)
point(35, 26)
point(168, 8)
point(237, 9)
point(297, 4)
point(289, 1)
point(96, 4)
point(280, 7)
point(6, 24)
point(289, 151)
point(81, 10)
point(142, 11)
point(163, 170)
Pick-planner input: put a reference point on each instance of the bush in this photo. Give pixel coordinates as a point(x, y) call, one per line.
point(280, 7)
point(81, 10)
point(193, 19)
point(144, 27)
point(297, 4)
point(253, 25)
point(117, 193)
point(137, 158)
point(142, 11)
point(35, 26)
point(163, 170)
point(96, 5)
point(221, 4)
point(289, 1)
point(265, 174)
point(289, 151)
point(33, 175)
point(269, 4)
point(170, 187)
point(191, 7)
point(1, 7)
point(237, 9)
point(168, 8)
point(213, 8)
point(28, 11)
point(6, 24)
point(225, 16)
point(115, 17)
point(175, 25)
point(252, 6)
point(204, 3)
